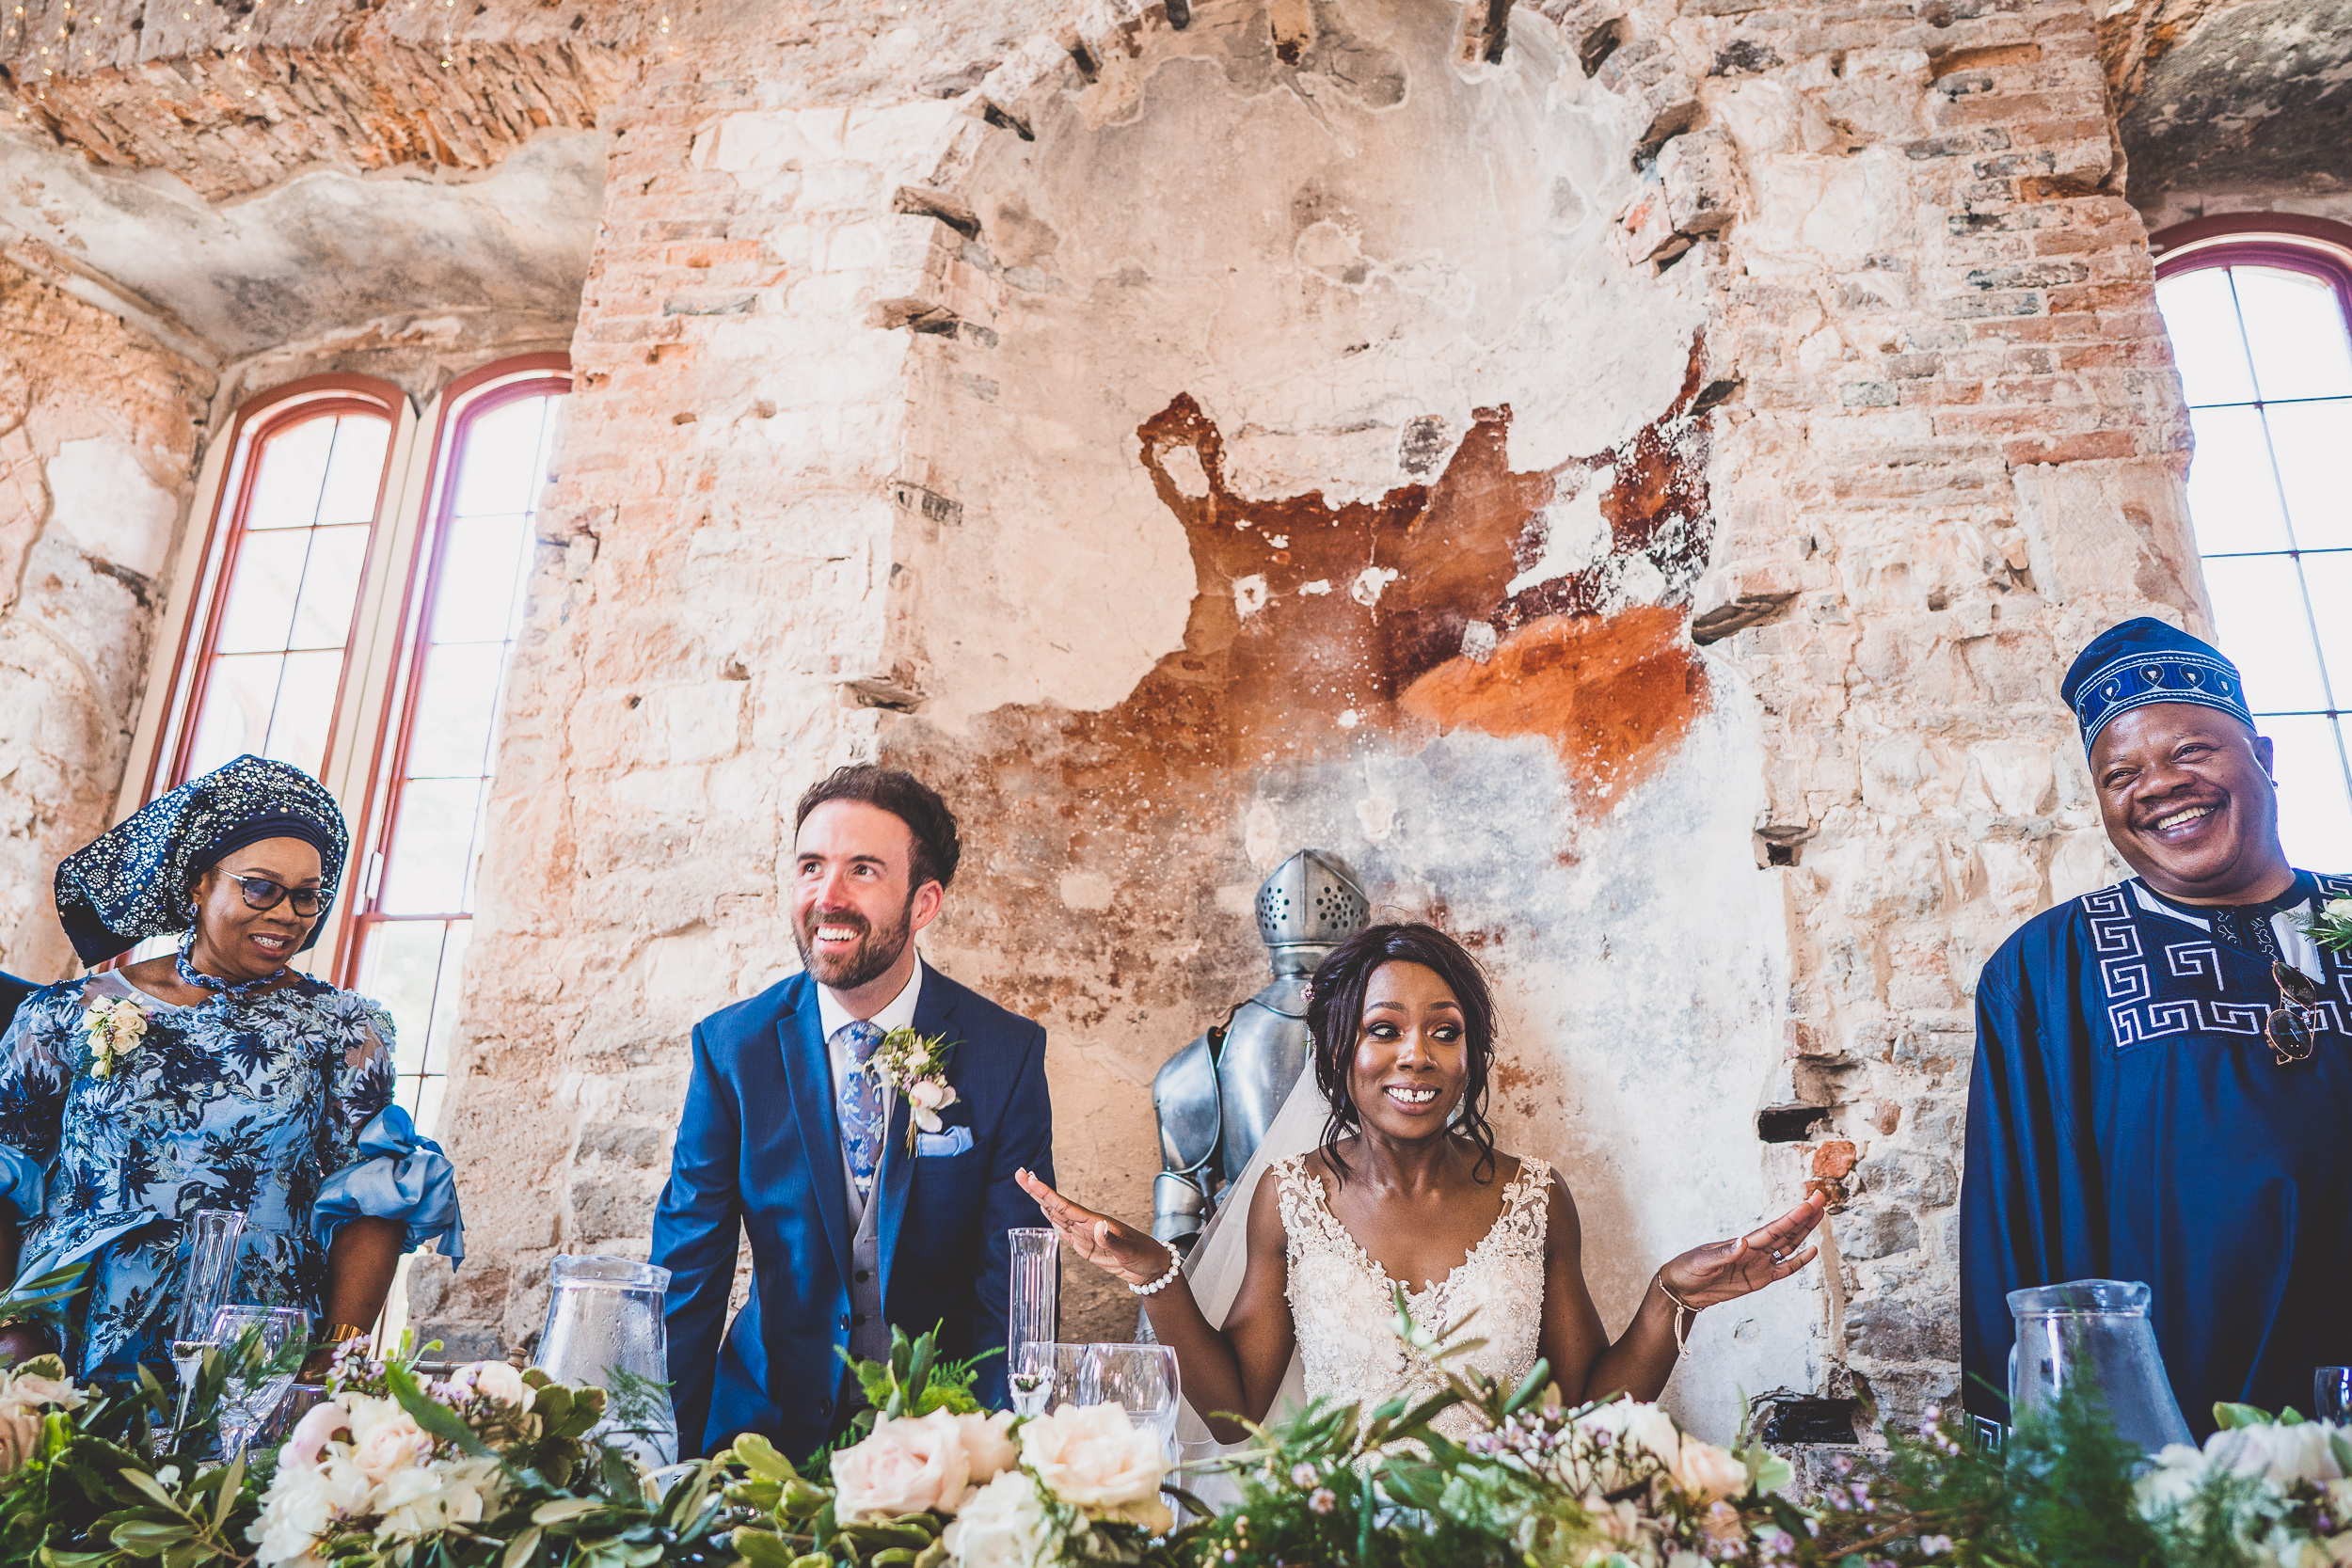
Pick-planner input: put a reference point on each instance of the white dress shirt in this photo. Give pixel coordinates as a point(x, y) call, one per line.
point(833, 1016)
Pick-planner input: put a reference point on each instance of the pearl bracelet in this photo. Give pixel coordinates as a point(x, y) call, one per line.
point(1175, 1267)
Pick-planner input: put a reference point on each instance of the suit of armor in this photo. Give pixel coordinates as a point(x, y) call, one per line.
point(1216, 1096)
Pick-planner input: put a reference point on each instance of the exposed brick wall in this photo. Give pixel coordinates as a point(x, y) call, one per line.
point(234, 96)
point(99, 431)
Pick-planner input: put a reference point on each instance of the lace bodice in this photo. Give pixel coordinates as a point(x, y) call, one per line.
point(1343, 1303)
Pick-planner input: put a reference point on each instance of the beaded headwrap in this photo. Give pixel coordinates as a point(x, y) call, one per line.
point(134, 880)
point(2144, 661)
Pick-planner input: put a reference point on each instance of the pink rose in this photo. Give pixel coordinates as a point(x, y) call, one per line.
point(908, 1465)
point(1707, 1471)
point(496, 1380)
point(988, 1445)
point(388, 1442)
point(318, 1423)
point(20, 1433)
point(1097, 1461)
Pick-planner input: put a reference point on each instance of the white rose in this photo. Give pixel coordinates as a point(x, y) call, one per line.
point(1096, 1459)
point(294, 1514)
point(988, 1448)
point(1003, 1526)
point(1707, 1471)
point(386, 1440)
point(907, 1465)
point(426, 1500)
point(2283, 1453)
point(2340, 909)
point(497, 1381)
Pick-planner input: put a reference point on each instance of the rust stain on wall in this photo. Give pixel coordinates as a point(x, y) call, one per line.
point(1317, 632)
point(1313, 624)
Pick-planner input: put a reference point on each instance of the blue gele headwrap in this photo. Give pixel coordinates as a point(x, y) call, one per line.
point(2146, 661)
point(132, 882)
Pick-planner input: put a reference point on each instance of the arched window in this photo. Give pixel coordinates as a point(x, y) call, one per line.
point(413, 906)
point(270, 642)
point(352, 610)
point(2259, 313)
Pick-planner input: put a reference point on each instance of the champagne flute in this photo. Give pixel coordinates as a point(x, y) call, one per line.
point(264, 1347)
point(210, 1238)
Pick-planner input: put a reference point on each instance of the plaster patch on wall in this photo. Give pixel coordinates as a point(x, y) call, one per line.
point(104, 500)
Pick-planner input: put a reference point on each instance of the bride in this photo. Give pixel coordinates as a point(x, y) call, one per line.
point(1406, 1187)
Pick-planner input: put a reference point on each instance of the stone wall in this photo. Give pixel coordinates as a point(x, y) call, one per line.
point(99, 433)
point(1319, 424)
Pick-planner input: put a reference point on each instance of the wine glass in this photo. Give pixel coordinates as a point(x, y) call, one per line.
point(211, 1235)
point(1051, 1376)
point(263, 1348)
point(1140, 1380)
point(2331, 1395)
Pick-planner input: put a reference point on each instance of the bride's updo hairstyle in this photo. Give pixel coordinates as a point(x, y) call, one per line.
point(1335, 1016)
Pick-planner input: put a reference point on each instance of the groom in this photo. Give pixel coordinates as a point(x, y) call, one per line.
point(855, 1227)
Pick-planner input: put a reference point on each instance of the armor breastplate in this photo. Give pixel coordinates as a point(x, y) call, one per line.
point(1215, 1098)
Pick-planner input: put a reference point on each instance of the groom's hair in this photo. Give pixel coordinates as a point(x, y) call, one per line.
point(1335, 1014)
point(937, 844)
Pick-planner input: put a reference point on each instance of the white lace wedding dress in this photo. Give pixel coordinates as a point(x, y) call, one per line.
point(1343, 1303)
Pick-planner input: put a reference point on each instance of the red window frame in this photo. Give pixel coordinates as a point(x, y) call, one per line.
point(297, 401)
point(463, 402)
point(2316, 248)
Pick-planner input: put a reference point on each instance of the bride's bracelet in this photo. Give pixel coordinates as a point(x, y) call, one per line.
point(1684, 1316)
point(1175, 1267)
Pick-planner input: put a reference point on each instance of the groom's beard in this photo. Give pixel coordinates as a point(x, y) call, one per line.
point(869, 960)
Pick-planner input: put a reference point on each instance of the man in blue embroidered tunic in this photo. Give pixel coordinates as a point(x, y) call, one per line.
point(2163, 1081)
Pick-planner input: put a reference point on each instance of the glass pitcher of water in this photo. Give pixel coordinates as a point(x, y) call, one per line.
point(604, 1330)
point(2095, 1333)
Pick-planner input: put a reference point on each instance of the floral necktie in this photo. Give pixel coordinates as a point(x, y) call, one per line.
point(861, 1102)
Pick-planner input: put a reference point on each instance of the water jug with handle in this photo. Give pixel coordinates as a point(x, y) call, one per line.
point(2094, 1334)
point(604, 1330)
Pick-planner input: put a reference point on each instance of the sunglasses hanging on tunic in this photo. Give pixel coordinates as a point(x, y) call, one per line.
point(262, 894)
point(2290, 1026)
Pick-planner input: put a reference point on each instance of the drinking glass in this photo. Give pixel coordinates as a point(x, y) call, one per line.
point(263, 1347)
point(210, 1237)
point(1050, 1375)
point(1031, 1317)
point(2331, 1395)
point(1140, 1380)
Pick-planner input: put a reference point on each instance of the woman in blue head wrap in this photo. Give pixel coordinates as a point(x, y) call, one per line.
point(215, 1078)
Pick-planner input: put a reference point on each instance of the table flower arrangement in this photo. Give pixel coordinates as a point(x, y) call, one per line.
point(486, 1466)
point(932, 1480)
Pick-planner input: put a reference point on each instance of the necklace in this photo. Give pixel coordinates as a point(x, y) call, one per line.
point(232, 990)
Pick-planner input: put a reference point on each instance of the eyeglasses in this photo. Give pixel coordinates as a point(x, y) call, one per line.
point(2289, 1027)
point(262, 894)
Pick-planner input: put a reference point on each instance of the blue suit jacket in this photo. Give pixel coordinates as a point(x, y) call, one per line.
point(759, 1147)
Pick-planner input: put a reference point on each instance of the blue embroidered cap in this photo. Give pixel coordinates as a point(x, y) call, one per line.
point(2144, 661)
point(132, 882)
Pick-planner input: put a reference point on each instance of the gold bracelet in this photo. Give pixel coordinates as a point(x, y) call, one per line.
point(1682, 1329)
point(338, 1333)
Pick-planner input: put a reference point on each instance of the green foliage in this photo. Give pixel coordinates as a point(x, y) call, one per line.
point(911, 1381)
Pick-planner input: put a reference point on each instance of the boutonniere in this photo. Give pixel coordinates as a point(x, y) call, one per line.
point(114, 1025)
point(2331, 924)
point(916, 1067)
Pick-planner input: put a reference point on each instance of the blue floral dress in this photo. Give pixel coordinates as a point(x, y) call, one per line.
point(280, 1107)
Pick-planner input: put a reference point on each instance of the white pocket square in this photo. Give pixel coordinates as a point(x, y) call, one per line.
point(955, 1140)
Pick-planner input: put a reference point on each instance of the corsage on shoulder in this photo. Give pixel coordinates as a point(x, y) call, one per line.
point(114, 1025)
point(916, 1067)
point(2330, 925)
